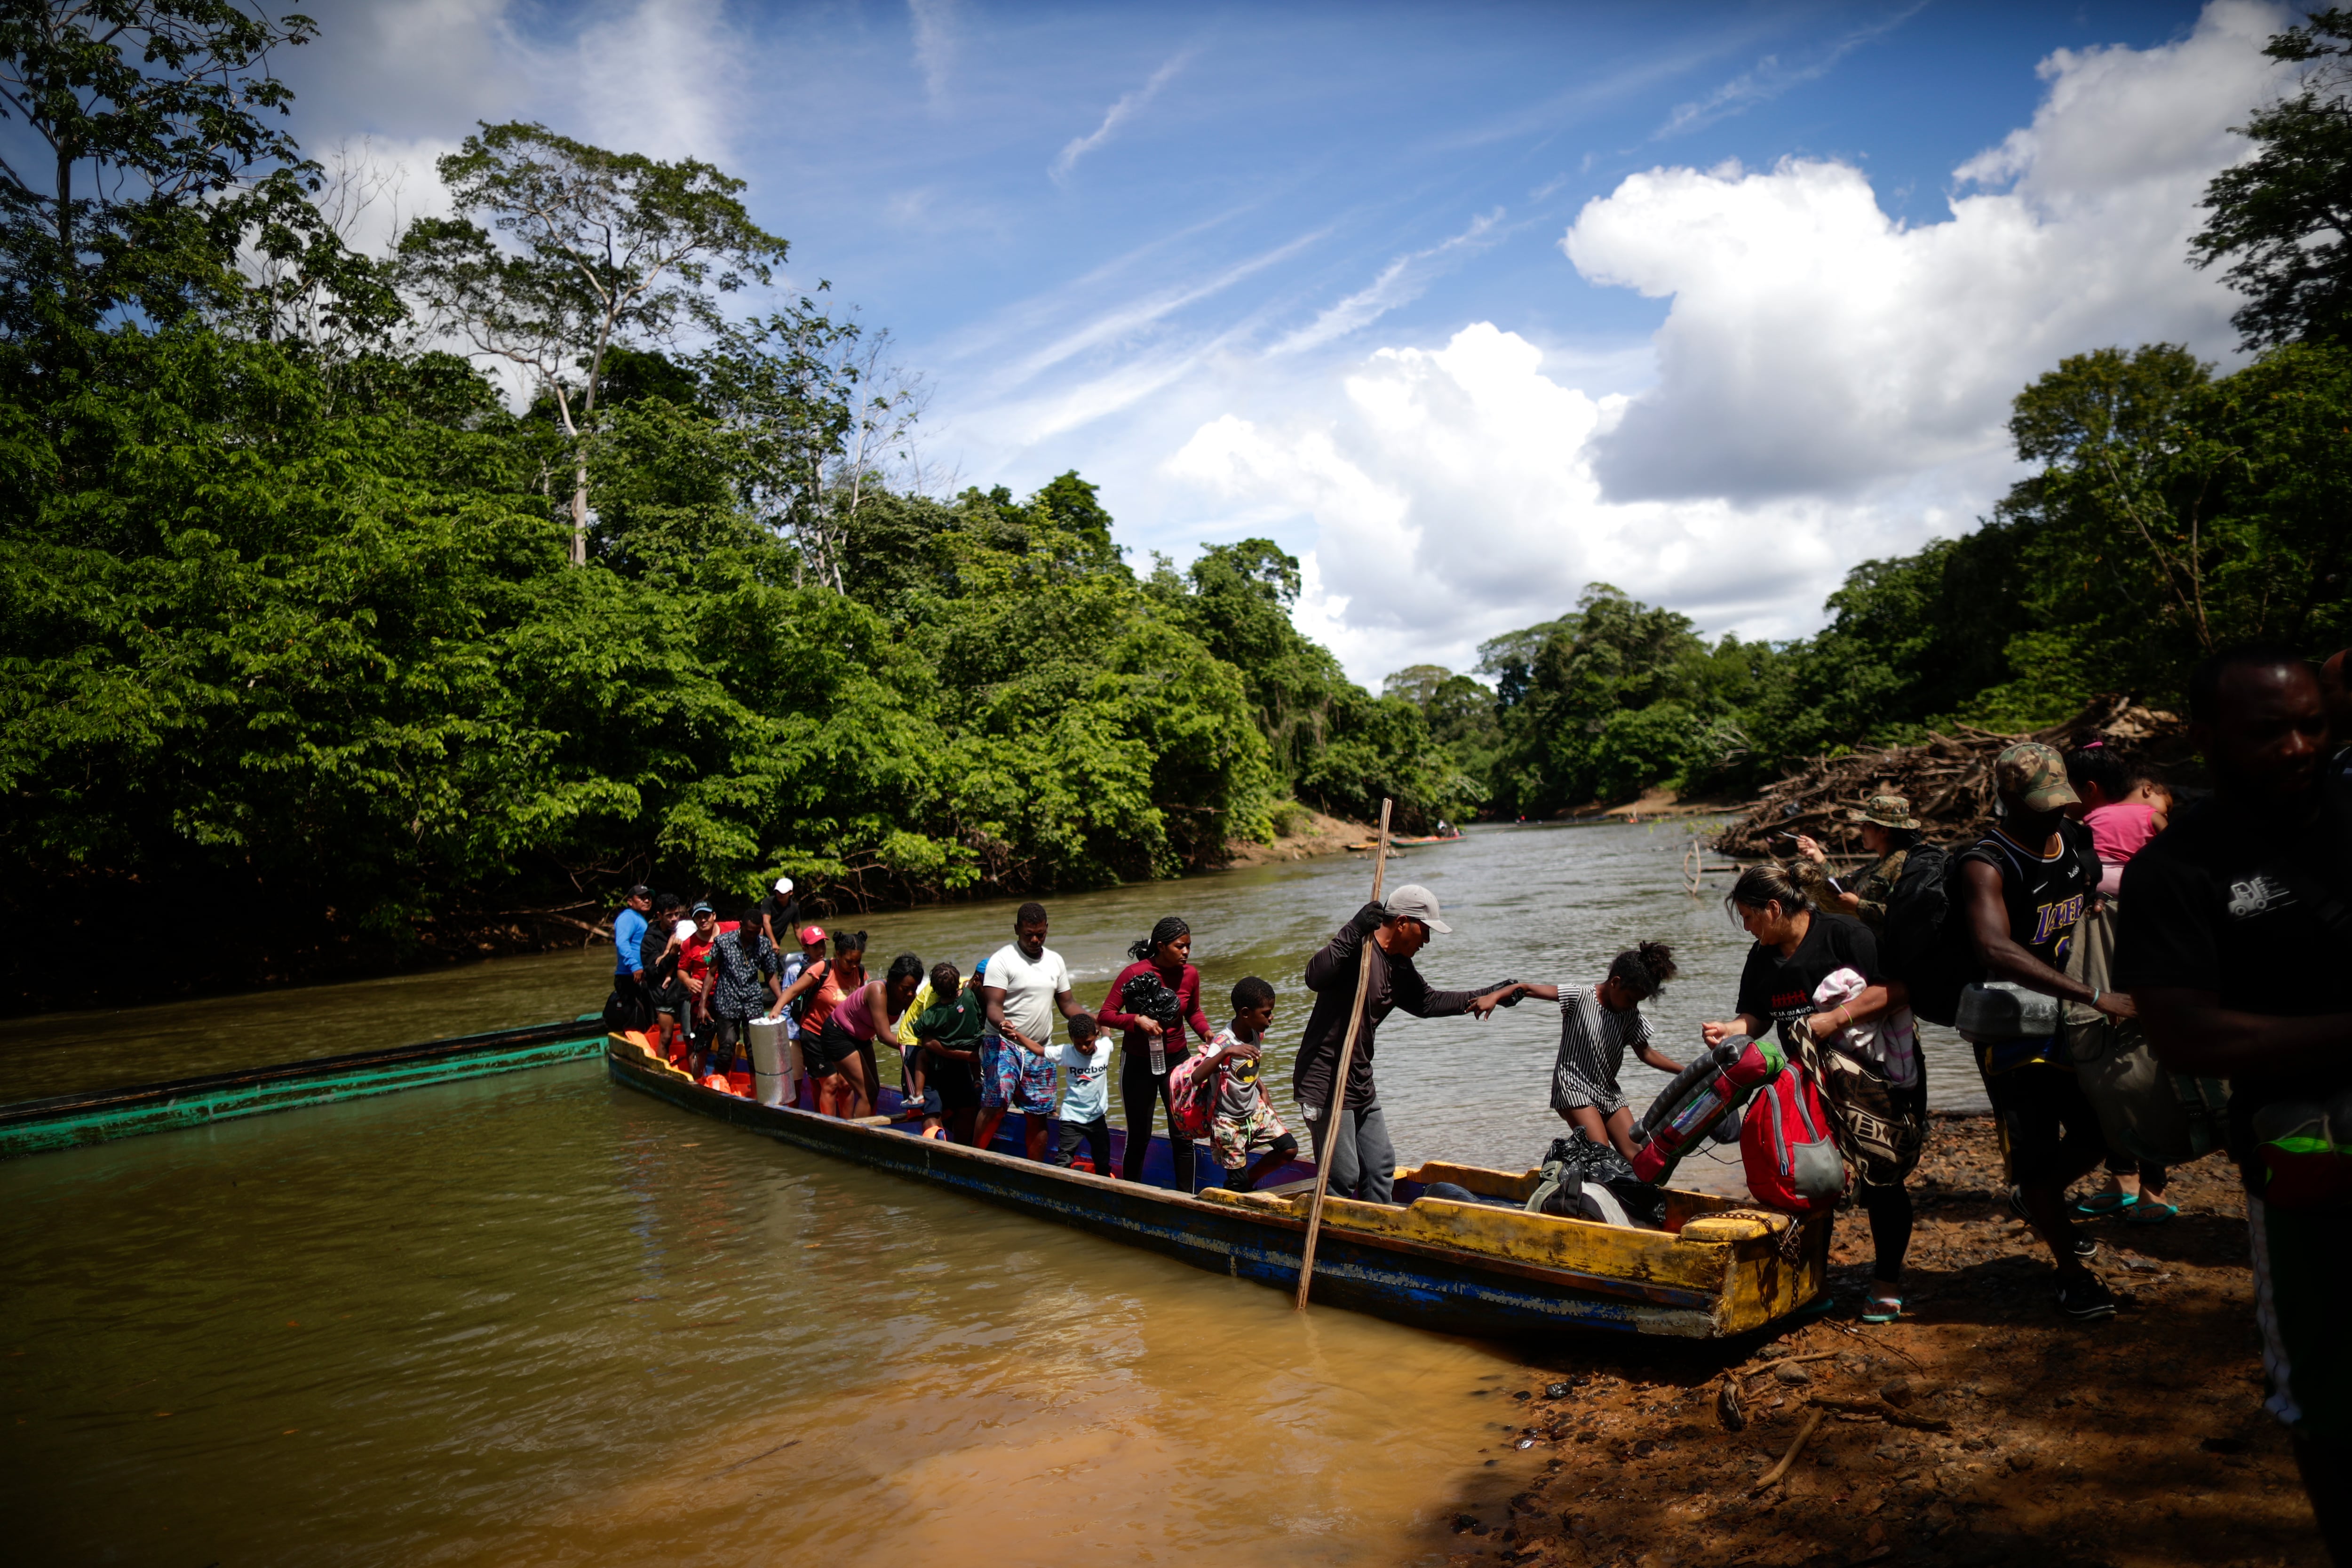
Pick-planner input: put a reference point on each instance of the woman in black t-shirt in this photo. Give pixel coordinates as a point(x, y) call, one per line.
point(1797, 949)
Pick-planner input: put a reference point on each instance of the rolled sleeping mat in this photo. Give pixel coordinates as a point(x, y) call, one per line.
point(1702, 1097)
point(771, 1079)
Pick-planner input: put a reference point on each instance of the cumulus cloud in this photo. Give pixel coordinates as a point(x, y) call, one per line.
point(1456, 500)
point(1816, 345)
point(1831, 383)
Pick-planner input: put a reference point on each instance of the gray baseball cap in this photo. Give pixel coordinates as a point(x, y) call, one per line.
point(1414, 903)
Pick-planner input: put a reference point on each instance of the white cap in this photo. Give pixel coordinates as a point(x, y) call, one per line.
point(783, 885)
point(1414, 903)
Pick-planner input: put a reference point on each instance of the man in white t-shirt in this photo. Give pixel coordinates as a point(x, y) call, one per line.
point(1025, 984)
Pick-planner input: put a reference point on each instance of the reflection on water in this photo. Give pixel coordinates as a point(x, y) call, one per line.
point(540, 1318)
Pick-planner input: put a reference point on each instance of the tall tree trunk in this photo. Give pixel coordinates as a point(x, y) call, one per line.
point(579, 511)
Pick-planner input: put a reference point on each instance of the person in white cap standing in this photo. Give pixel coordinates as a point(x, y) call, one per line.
point(1386, 936)
point(775, 914)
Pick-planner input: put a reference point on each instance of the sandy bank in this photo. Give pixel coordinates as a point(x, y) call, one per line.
point(1311, 834)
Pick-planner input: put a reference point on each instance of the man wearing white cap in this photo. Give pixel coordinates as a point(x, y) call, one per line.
point(775, 914)
point(1363, 1164)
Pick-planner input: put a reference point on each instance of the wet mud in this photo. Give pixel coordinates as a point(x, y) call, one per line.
point(1982, 1428)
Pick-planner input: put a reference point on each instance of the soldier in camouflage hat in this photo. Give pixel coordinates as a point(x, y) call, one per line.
point(1888, 831)
point(2024, 889)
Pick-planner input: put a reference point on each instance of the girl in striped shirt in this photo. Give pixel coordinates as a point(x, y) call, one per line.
point(1597, 1025)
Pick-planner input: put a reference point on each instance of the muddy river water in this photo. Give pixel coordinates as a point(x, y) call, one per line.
point(538, 1319)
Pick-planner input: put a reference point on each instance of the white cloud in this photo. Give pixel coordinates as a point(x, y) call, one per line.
point(1400, 283)
point(1769, 79)
point(1817, 344)
point(1455, 499)
point(1831, 384)
point(935, 44)
point(1125, 109)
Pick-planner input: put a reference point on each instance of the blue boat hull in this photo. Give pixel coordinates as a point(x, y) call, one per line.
point(1437, 1287)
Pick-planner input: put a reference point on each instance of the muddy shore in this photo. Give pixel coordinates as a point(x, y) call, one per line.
point(2016, 1436)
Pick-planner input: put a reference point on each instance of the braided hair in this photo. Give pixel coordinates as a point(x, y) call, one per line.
point(1170, 928)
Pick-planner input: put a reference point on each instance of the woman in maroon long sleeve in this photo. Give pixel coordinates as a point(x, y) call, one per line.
point(1154, 1046)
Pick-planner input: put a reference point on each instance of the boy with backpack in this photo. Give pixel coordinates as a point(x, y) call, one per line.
point(1244, 1122)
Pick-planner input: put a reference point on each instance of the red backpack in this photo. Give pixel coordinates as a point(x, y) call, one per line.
point(1786, 1144)
point(1192, 1097)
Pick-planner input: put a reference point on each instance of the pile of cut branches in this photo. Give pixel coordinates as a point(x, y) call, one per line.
point(1948, 780)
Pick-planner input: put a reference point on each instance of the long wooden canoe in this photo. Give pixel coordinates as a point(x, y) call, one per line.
point(1461, 1268)
point(97, 1116)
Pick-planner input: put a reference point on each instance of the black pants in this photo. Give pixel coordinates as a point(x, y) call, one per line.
point(1889, 1207)
point(1142, 1094)
point(1094, 1135)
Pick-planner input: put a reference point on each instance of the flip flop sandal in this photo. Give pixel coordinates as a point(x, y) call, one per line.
point(1881, 1308)
point(2152, 1211)
point(2100, 1204)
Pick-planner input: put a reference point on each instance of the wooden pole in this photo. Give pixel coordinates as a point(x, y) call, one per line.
point(1339, 1106)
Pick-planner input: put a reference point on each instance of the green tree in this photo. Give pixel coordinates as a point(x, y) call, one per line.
point(158, 156)
point(599, 248)
point(2283, 219)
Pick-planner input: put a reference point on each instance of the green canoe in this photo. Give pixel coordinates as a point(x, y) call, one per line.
point(99, 1116)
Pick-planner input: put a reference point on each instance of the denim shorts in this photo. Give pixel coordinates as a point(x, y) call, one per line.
point(1012, 1079)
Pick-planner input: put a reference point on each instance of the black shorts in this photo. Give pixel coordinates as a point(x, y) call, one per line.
point(673, 999)
point(2047, 1124)
point(832, 1046)
point(958, 1090)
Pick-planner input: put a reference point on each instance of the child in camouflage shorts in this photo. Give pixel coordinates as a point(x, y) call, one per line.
point(1244, 1121)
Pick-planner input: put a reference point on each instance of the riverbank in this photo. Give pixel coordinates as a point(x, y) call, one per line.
point(240, 957)
point(2137, 1441)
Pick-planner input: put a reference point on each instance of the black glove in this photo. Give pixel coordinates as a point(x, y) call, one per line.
point(1368, 918)
point(1513, 999)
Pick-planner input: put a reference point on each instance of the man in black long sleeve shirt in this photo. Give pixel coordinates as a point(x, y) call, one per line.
point(1385, 936)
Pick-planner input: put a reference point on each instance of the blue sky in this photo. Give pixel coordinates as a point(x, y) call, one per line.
point(1466, 305)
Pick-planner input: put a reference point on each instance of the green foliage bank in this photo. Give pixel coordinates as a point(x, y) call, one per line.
point(315, 651)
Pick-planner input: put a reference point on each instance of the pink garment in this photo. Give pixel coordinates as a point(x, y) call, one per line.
point(2119, 832)
point(852, 1014)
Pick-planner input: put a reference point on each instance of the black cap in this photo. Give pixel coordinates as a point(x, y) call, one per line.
point(638, 890)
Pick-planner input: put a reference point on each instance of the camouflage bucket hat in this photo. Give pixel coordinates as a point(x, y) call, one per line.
point(1886, 810)
point(2033, 775)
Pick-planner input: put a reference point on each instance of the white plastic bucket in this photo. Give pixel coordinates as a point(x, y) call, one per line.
point(772, 1077)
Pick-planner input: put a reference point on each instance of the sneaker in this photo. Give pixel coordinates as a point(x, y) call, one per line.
point(2085, 1297)
point(2083, 1247)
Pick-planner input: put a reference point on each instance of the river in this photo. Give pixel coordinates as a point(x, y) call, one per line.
point(538, 1319)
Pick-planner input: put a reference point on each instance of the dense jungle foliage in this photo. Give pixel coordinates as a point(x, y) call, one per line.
point(2170, 512)
point(307, 631)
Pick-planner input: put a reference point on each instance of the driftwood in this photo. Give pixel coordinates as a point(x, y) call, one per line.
point(1771, 1477)
point(1880, 1408)
point(1948, 780)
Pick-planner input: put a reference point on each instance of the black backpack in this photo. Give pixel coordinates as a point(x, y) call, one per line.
point(1925, 942)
